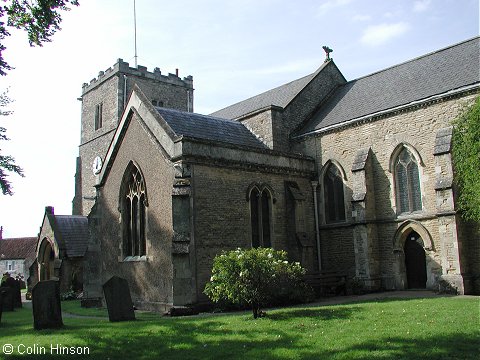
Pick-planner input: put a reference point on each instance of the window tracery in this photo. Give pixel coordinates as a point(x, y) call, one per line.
point(407, 182)
point(134, 213)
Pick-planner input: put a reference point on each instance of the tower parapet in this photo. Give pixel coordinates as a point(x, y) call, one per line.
point(140, 71)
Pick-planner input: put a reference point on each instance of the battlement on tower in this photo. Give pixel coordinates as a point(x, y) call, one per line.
point(140, 71)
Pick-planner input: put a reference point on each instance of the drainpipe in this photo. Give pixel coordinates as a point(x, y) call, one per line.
point(317, 228)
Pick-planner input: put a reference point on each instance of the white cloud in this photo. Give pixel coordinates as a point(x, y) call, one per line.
point(421, 5)
point(331, 4)
point(359, 17)
point(379, 34)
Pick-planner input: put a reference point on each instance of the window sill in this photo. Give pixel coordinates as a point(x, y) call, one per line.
point(333, 225)
point(135, 259)
point(406, 215)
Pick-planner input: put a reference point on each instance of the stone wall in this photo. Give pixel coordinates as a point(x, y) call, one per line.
point(19, 268)
point(150, 279)
point(308, 101)
point(222, 215)
point(275, 125)
point(418, 128)
point(470, 255)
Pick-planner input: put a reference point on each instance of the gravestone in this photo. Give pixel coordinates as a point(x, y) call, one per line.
point(47, 311)
point(18, 294)
point(1, 306)
point(15, 285)
point(119, 301)
point(7, 298)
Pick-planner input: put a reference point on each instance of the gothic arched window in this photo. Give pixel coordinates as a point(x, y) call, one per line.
point(134, 204)
point(407, 182)
point(333, 195)
point(260, 210)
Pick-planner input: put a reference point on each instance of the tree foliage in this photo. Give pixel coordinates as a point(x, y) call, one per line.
point(39, 18)
point(466, 160)
point(7, 163)
point(256, 278)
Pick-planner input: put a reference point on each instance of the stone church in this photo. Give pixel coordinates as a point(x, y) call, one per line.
point(352, 176)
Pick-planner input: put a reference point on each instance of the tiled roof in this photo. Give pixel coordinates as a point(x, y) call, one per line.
point(279, 96)
point(74, 232)
point(432, 74)
point(18, 248)
point(209, 128)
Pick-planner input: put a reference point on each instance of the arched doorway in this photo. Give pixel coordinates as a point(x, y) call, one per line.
point(46, 257)
point(415, 262)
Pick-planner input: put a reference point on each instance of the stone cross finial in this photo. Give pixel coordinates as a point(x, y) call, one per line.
point(327, 53)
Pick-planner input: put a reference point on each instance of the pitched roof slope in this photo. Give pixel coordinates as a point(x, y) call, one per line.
point(209, 128)
point(432, 74)
point(74, 233)
point(18, 248)
point(280, 96)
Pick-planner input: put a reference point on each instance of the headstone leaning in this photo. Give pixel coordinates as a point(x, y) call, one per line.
point(119, 301)
point(7, 298)
point(47, 311)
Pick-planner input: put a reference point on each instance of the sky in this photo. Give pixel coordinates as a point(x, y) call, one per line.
point(233, 50)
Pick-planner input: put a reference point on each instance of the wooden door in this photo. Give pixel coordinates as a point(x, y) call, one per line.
point(415, 262)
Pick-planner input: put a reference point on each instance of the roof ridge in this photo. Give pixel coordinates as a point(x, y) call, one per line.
point(413, 59)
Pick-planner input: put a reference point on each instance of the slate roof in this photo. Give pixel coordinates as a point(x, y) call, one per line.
point(432, 74)
point(209, 128)
point(18, 248)
point(279, 96)
point(73, 230)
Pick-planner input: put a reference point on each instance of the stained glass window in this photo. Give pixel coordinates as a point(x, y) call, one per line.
point(333, 195)
point(133, 214)
point(407, 182)
point(260, 208)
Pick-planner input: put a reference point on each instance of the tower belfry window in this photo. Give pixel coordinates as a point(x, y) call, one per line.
point(98, 116)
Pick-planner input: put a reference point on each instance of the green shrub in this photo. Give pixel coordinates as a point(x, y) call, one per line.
point(466, 159)
point(256, 278)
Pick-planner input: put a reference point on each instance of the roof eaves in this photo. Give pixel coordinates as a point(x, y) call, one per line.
point(386, 112)
point(227, 145)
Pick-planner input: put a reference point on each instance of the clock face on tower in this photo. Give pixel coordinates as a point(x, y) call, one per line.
point(97, 165)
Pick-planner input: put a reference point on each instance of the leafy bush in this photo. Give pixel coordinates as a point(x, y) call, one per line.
point(256, 278)
point(466, 158)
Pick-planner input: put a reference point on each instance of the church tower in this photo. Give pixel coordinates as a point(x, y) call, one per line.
point(103, 102)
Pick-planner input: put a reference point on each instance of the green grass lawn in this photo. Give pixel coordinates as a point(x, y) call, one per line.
point(433, 328)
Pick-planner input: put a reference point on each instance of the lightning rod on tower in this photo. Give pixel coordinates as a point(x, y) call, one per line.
point(135, 25)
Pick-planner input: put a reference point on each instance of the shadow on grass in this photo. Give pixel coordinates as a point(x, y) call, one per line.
point(239, 337)
point(452, 347)
point(183, 341)
point(312, 313)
